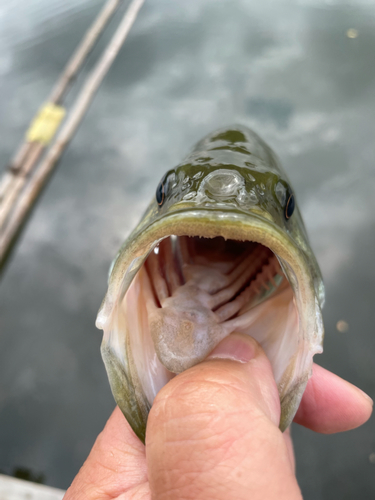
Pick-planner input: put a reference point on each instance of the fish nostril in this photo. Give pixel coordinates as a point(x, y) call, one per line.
point(224, 183)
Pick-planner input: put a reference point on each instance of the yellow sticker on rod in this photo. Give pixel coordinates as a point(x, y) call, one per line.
point(45, 124)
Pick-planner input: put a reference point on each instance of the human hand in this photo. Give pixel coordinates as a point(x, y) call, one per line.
point(212, 433)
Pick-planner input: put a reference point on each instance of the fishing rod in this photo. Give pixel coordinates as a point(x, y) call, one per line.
point(24, 185)
point(30, 151)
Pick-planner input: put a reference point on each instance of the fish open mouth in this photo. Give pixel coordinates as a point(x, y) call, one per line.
point(192, 292)
point(193, 278)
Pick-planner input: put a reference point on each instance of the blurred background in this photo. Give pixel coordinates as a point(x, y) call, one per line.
point(301, 73)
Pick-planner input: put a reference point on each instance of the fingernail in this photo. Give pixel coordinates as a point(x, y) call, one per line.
point(365, 395)
point(236, 347)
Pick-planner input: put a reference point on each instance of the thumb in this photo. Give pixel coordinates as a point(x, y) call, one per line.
point(213, 430)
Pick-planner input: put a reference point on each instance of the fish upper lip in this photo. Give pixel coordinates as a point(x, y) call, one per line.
point(228, 213)
point(224, 211)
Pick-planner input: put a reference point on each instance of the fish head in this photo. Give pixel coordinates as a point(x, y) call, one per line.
point(221, 248)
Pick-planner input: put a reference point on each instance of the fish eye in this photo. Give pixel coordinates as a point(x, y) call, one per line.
point(162, 190)
point(290, 205)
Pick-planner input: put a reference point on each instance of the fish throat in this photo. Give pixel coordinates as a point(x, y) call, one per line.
point(192, 292)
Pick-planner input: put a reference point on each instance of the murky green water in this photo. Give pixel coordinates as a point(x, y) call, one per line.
point(285, 68)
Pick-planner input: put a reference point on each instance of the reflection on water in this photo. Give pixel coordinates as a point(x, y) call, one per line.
point(302, 74)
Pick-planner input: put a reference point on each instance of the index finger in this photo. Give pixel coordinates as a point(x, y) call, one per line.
point(331, 404)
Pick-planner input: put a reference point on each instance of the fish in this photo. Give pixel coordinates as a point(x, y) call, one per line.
point(221, 248)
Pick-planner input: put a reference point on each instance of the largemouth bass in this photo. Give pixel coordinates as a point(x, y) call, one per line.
point(221, 248)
